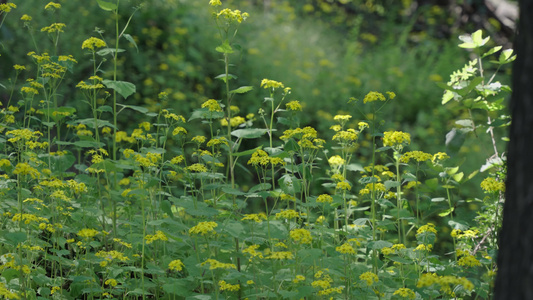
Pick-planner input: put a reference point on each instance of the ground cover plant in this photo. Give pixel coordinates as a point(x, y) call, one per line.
point(90, 211)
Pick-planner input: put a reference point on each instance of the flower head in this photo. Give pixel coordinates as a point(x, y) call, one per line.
point(92, 43)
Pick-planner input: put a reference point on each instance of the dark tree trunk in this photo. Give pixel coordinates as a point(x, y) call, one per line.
point(515, 260)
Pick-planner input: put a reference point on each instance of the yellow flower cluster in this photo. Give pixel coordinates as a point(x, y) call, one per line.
point(217, 141)
point(405, 293)
point(429, 227)
point(111, 282)
point(261, 158)
point(396, 139)
point(271, 84)
point(492, 185)
point(224, 286)
point(468, 260)
point(294, 105)
point(336, 161)
point(199, 168)
point(324, 198)
point(212, 105)
point(175, 265)
point(374, 96)
point(439, 156)
point(280, 255)
point(54, 27)
point(27, 218)
point(255, 217)
point(234, 122)
point(52, 6)
point(5, 8)
point(392, 250)
point(233, 15)
point(159, 235)
point(343, 186)
point(369, 278)
point(111, 255)
point(88, 233)
point(345, 248)
point(467, 234)
point(25, 169)
point(252, 251)
point(203, 228)
point(215, 264)
point(301, 236)
point(424, 247)
point(92, 43)
point(419, 156)
point(428, 279)
point(346, 136)
point(287, 214)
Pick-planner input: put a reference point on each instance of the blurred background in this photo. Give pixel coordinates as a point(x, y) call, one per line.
point(325, 50)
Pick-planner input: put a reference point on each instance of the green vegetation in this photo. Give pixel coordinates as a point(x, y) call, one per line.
point(162, 164)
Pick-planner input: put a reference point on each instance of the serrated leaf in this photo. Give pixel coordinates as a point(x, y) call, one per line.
point(241, 90)
point(492, 51)
point(131, 40)
point(506, 56)
point(108, 6)
point(224, 78)
point(124, 88)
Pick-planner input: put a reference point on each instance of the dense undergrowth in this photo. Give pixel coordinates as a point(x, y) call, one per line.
point(214, 198)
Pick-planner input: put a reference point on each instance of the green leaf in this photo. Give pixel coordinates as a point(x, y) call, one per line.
point(377, 245)
point(131, 40)
point(125, 89)
point(166, 207)
point(457, 177)
point(134, 107)
point(234, 228)
point(289, 184)
point(106, 51)
point(249, 133)
point(506, 56)
point(108, 6)
point(247, 152)
point(260, 187)
point(223, 77)
point(475, 40)
point(491, 51)
point(14, 238)
point(58, 113)
point(355, 168)
point(224, 48)
point(391, 184)
point(446, 212)
point(241, 90)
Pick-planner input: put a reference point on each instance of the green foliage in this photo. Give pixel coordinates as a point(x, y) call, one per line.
point(223, 202)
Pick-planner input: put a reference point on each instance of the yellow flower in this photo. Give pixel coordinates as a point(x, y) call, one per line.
point(271, 84)
point(111, 282)
point(294, 105)
point(26, 169)
point(396, 139)
point(52, 6)
point(301, 236)
point(212, 105)
point(234, 122)
point(224, 286)
point(215, 3)
point(324, 198)
point(374, 96)
point(345, 248)
point(92, 43)
point(439, 156)
point(405, 293)
point(203, 228)
point(159, 235)
point(255, 217)
point(343, 185)
point(342, 118)
point(419, 156)
point(215, 264)
point(468, 261)
point(491, 185)
point(369, 278)
point(287, 214)
point(280, 255)
point(252, 251)
point(336, 161)
point(88, 232)
point(298, 278)
point(54, 27)
point(429, 227)
point(176, 265)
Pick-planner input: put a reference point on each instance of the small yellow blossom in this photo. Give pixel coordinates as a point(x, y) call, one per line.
point(215, 264)
point(492, 185)
point(396, 139)
point(369, 278)
point(324, 198)
point(224, 286)
point(271, 84)
point(212, 105)
point(176, 265)
point(203, 228)
point(92, 43)
point(374, 96)
point(294, 105)
point(301, 236)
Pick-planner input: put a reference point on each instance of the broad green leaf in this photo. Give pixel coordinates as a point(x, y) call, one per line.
point(108, 6)
point(377, 245)
point(291, 146)
point(241, 90)
point(260, 187)
point(506, 56)
point(224, 48)
point(492, 51)
point(131, 40)
point(14, 238)
point(457, 177)
point(249, 133)
point(125, 89)
point(166, 207)
point(391, 184)
point(289, 184)
point(451, 171)
point(224, 78)
point(355, 168)
point(106, 51)
point(231, 191)
point(88, 144)
point(234, 228)
point(134, 107)
point(247, 152)
point(446, 212)
point(58, 113)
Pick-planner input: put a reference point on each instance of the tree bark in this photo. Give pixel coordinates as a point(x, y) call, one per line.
point(514, 278)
